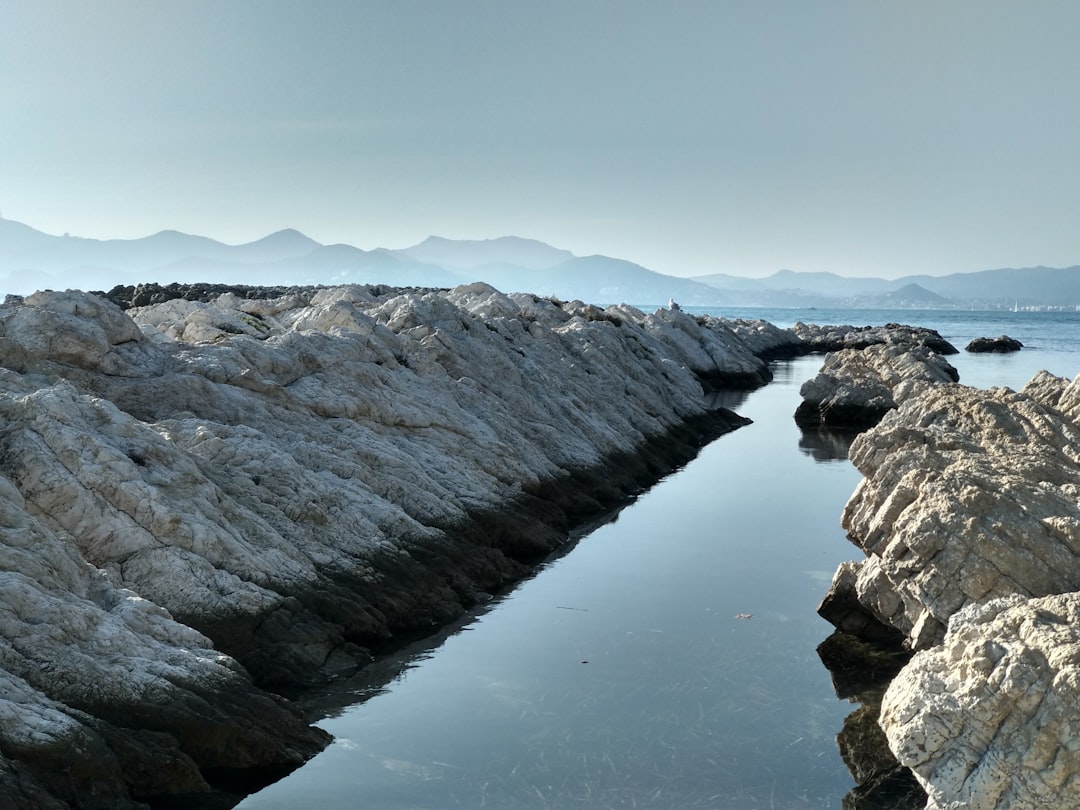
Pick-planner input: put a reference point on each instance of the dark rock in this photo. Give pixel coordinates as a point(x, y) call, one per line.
point(1001, 344)
point(857, 387)
point(860, 671)
point(843, 609)
point(825, 338)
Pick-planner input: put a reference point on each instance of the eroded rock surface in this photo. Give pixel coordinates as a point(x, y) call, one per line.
point(969, 514)
point(857, 387)
point(196, 490)
point(967, 495)
point(988, 720)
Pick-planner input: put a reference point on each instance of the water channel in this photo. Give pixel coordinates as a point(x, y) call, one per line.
point(667, 662)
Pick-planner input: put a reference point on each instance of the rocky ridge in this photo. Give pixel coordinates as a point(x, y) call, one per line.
point(205, 498)
point(867, 371)
point(968, 515)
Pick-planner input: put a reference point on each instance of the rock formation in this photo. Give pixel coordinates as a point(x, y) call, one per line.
point(1002, 344)
point(969, 517)
point(825, 338)
point(205, 497)
point(988, 719)
point(857, 387)
point(968, 495)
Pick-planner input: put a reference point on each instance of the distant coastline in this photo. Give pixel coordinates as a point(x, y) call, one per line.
point(31, 260)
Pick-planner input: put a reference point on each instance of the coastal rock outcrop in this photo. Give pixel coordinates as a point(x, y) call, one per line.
point(967, 495)
point(1002, 344)
point(969, 516)
point(857, 387)
point(988, 719)
point(833, 338)
point(206, 497)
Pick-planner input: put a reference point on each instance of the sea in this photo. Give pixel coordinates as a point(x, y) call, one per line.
point(668, 659)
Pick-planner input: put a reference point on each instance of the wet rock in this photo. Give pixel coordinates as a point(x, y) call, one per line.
point(1002, 344)
point(846, 609)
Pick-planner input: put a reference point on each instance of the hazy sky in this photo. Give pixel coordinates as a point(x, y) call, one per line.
point(863, 138)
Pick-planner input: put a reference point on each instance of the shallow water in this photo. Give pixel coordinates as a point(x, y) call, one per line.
point(620, 675)
point(667, 661)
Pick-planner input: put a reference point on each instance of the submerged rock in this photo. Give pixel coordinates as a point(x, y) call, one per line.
point(209, 495)
point(1002, 344)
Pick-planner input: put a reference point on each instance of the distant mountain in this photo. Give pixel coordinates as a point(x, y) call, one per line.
point(1029, 286)
point(600, 279)
point(912, 296)
point(507, 251)
point(32, 260)
point(828, 285)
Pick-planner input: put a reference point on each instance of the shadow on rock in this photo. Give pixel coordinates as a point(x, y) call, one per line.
point(861, 671)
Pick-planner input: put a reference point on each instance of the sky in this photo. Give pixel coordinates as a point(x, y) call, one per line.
point(865, 138)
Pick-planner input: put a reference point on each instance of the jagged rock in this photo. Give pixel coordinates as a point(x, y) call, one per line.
point(826, 338)
point(970, 518)
point(217, 485)
point(988, 719)
point(1002, 344)
point(968, 495)
point(857, 387)
point(716, 353)
point(764, 339)
point(90, 670)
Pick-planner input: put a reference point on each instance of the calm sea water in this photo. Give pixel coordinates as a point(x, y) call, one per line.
point(668, 660)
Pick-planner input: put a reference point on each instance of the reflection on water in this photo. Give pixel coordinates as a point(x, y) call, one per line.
point(731, 399)
point(860, 673)
point(826, 444)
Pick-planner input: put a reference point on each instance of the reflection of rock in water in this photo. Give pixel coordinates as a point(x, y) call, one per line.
point(730, 399)
point(826, 445)
point(860, 672)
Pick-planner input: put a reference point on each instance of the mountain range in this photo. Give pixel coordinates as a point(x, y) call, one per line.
point(31, 260)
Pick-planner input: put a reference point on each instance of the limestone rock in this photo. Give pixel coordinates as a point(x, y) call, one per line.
point(988, 720)
point(88, 670)
point(968, 495)
point(211, 487)
point(857, 387)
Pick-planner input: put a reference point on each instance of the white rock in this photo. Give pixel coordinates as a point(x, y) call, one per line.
point(989, 720)
point(290, 473)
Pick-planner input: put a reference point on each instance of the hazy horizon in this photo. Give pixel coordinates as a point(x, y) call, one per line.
point(871, 140)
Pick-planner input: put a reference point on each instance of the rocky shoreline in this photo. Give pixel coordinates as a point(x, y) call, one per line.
point(208, 499)
point(968, 518)
point(216, 496)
